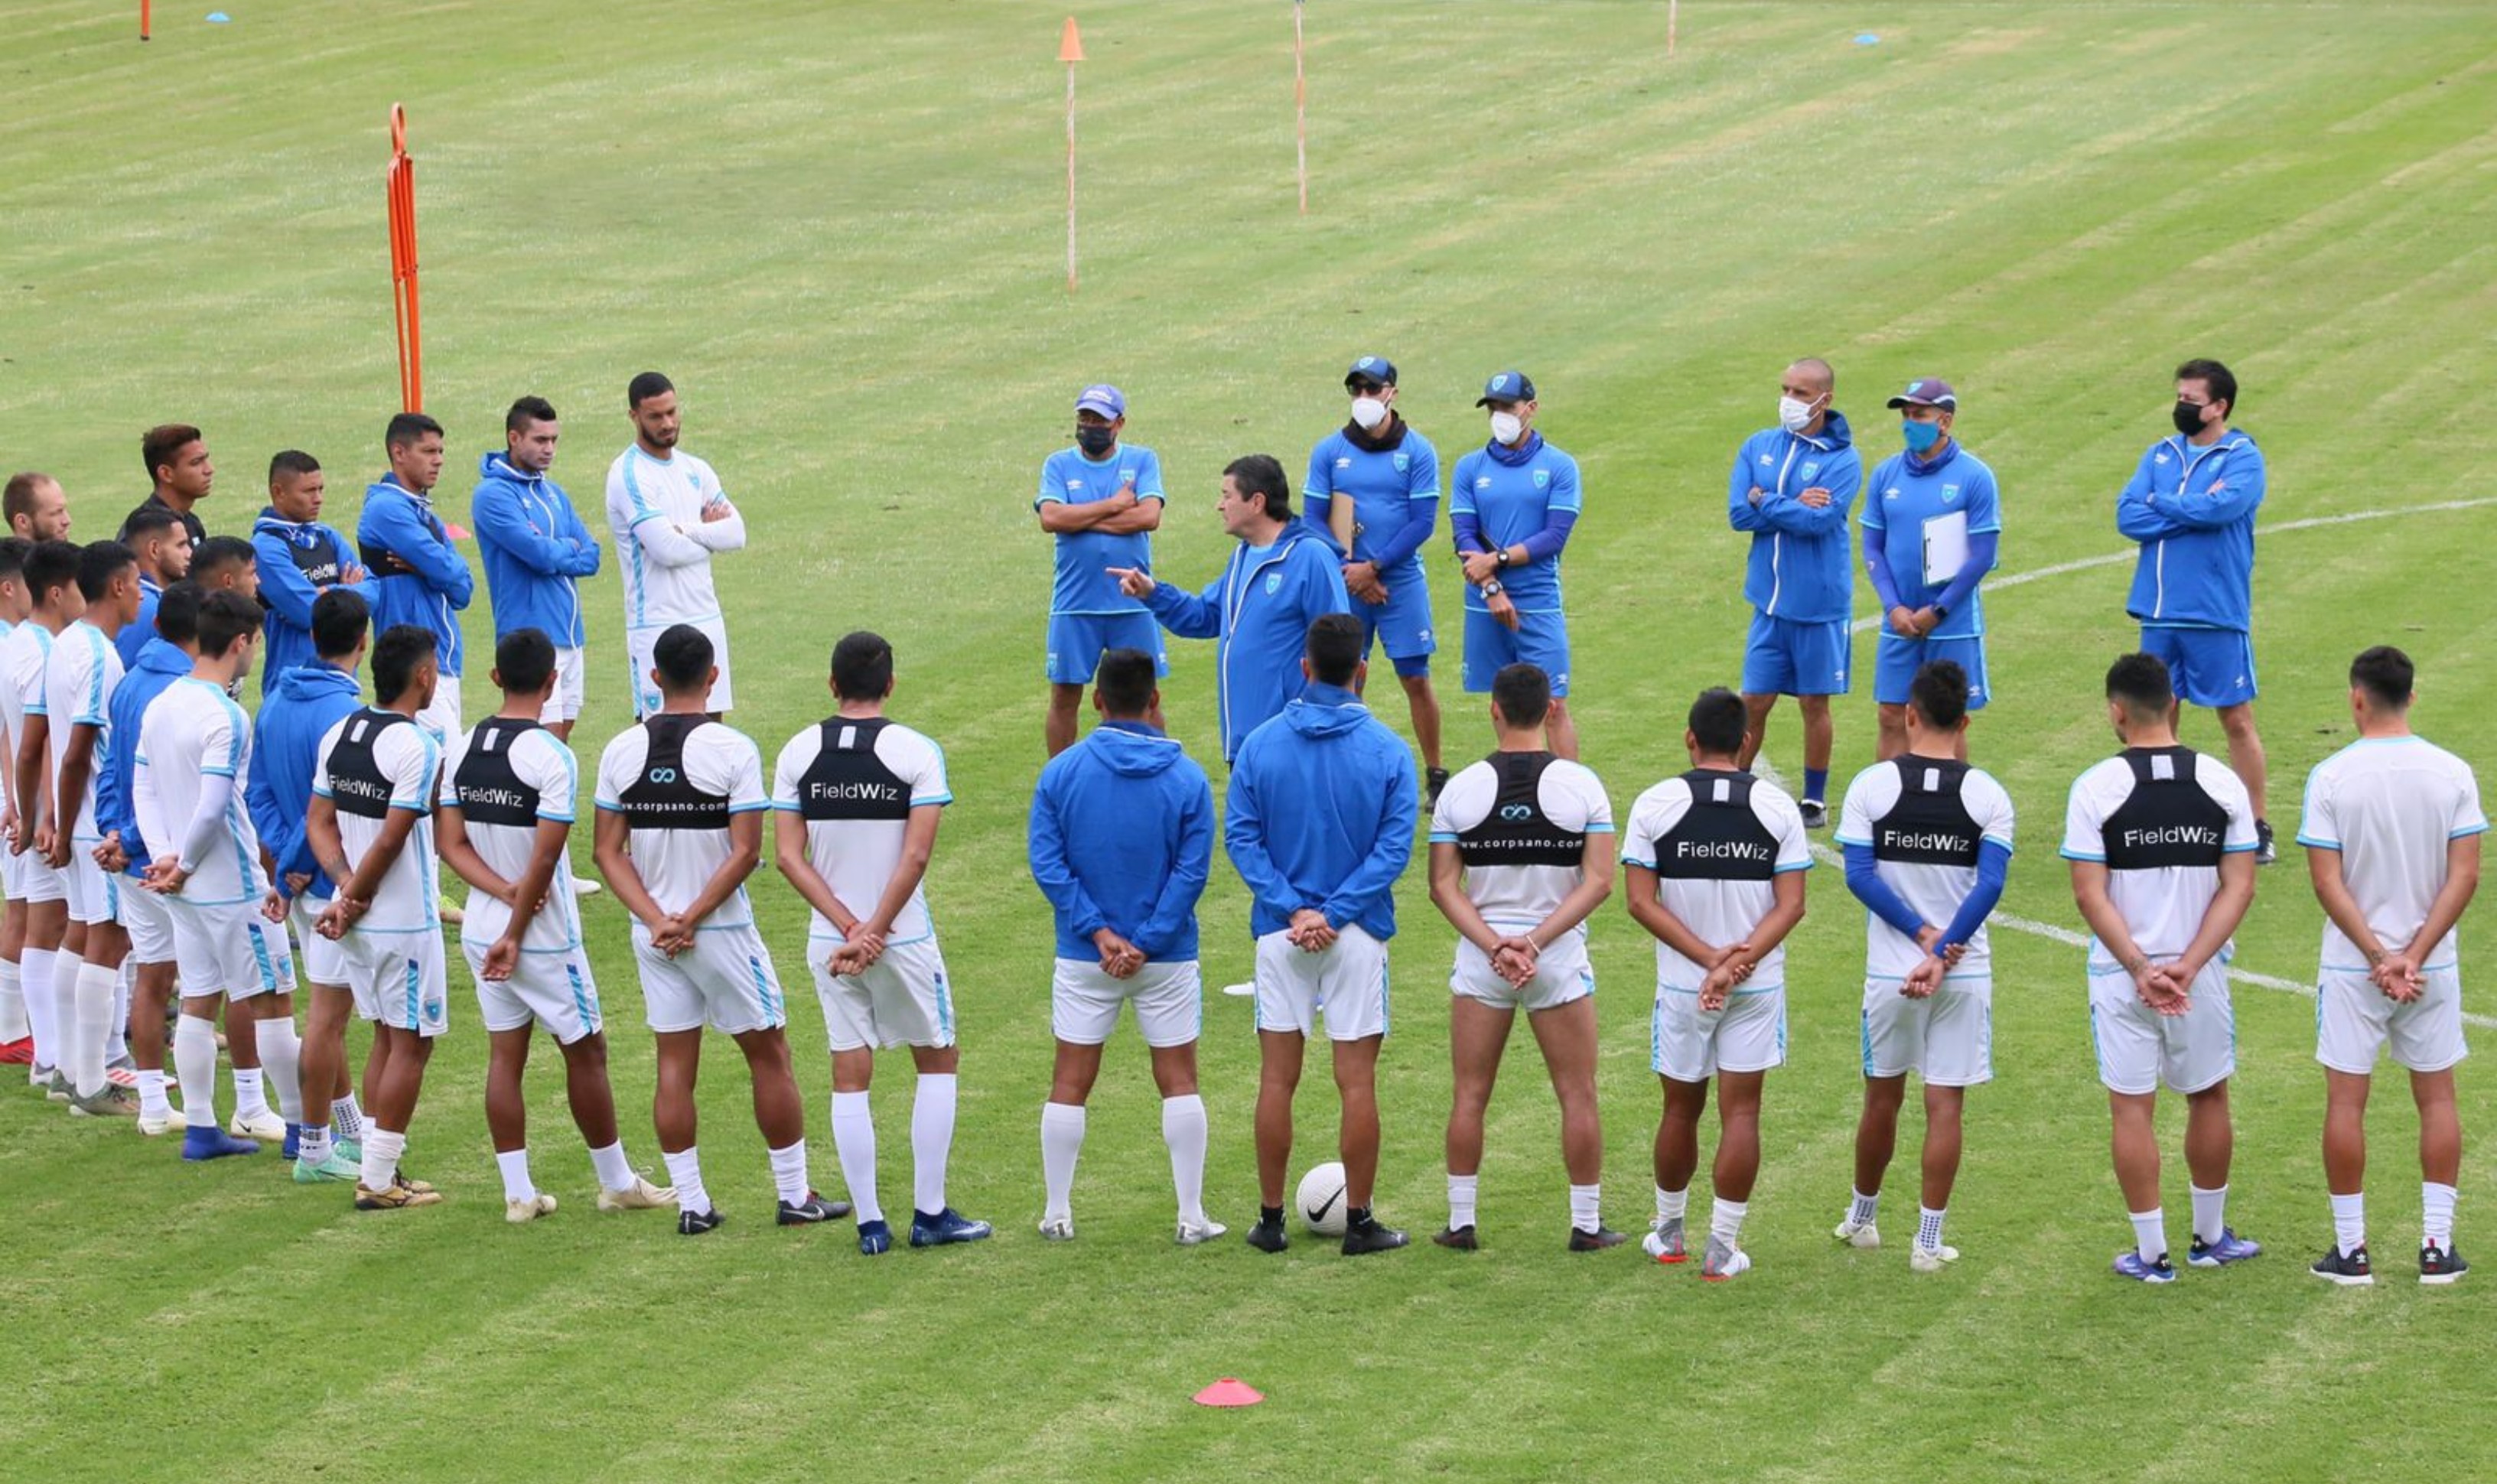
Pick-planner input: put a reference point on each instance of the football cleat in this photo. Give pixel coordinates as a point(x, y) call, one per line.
point(108, 1102)
point(2441, 1264)
point(641, 1196)
point(1723, 1261)
point(874, 1237)
point(1057, 1228)
point(815, 1208)
point(56, 1085)
point(1582, 1240)
point(214, 1143)
point(1815, 814)
point(156, 1129)
point(398, 1197)
point(2266, 853)
point(2129, 1264)
point(944, 1228)
point(1199, 1233)
point(330, 1171)
point(1269, 1236)
point(1433, 780)
point(17, 1052)
point(261, 1124)
point(522, 1213)
point(1863, 1235)
point(1664, 1242)
point(1371, 1237)
point(693, 1223)
point(1456, 1239)
point(2230, 1248)
point(2348, 1270)
point(1929, 1259)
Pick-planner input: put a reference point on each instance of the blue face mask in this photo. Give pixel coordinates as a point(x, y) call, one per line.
point(1920, 436)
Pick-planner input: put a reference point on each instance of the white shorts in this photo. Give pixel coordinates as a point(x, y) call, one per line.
point(724, 981)
point(1689, 1044)
point(638, 644)
point(554, 989)
point(2139, 1048)
point(1346, 983)
point(397, 979)
point(228, 950)
point(94, 897)
point(325, 959)
point(2354, 1021)
point(442, 718)
point(1084, 1002)
point(1947, 1038)
point(1562, 974)
point(34, 880)
point(901, 999)
point(149, 921)
point(566, 703)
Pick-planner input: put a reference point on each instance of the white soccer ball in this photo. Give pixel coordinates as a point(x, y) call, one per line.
point(1321, 1199)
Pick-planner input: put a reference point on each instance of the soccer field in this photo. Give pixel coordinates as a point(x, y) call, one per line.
point(839, 230)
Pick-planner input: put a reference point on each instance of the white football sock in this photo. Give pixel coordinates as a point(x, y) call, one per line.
point(348, 1118)
point(2350, 1222)
point(789, 1173)
point(1462, 1190)
point(281, 1054)
point(684, 1172)
point(515, 1165)
point(312, 1143)
point(2150, 1234)
point(117, 1036)
point(2436, 1205)
point(65, 1012)
point(35, 991)
point(2210, 1214)
point(854, 1144)
point(1585, 1207)
point(1672, 1205)
point(615, 1171)
point(932, 1140)
point(1929, 1226)
point(382, 1149)
point(1061, 1141)
point(250, 1088)
point(1184, 1130)
point(1861, 1208)
point(13, 1025)
point(151, 1095)
point(1725, 1220)
point(195, 1068)
point(93, 992)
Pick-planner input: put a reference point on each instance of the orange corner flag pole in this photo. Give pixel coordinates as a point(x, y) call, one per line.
point(1299, 107)
point(142, 19)
point(1070, 51)
point(402, 179)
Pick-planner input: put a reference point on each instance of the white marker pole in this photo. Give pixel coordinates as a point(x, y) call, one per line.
point(1672, 23)
point(1301, 107)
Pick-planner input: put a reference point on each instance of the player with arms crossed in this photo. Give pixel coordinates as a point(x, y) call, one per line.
point(2391, 831)
point(1101, 501)
point(2161, 843)
point(1928, 842)
point(669, 515)
point(1716, 860)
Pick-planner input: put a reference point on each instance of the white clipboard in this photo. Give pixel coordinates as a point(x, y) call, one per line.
point(1946, 547)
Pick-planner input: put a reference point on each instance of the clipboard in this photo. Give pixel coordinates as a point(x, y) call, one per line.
point(1946, 547)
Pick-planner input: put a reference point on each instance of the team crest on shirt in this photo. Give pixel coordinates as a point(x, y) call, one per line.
point(1401, 461)
point(1811, 469)
point(1950, 492)
point(1542, 477)
point(1274, 583)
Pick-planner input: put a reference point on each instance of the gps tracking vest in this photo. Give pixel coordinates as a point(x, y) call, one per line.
point(1929, 825)
point(2168, 819)
point(847, 780)
point(662, 798)
point(318, 562)
point(1517, 832)
point(489, 792)
point(357, 785)
point(1718, 837)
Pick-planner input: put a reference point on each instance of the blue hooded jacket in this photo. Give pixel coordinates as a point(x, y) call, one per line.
point(298, 561)
point(1122, 838)
point(158, 666)
point(396, 521)
point(285, 750)
point(1259, 611)
point(534, 546)
point(1320, 814)
point(2193, 510)
point(1802, 564)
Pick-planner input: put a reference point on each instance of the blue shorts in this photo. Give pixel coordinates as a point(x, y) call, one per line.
point(1541, 640)
point(1898, 659)
point(1076, 642)
point(2208, 667)
point(1401, 625)
point(1788, 658)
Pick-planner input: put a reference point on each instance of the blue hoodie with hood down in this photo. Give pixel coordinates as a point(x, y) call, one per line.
point(1802, 565)
point(298, 561)
point(1259, 611)
point(397, 521)
point(535, 546)
point(1122, 838)
point(285, 750)
point(2193, 510)
point(158, 666)
point(1320, 814)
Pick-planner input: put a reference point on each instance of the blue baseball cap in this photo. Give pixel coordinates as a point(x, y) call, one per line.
point(1927, 392)
point(1377, 368)
point(1507, 387)
point(1103, 399)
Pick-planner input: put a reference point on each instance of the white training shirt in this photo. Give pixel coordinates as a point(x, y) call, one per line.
point(2390, 806)
point(80, 677)
point(1924, 818)
point(506, 777)
point(191, 731)
point(663, 546)
point(1717, 841)
point(855, 781)
point(676, 788)
point(2159, 819)
point(1521, 821)
point(8, 728)
point(371, 764)
point(24, 653)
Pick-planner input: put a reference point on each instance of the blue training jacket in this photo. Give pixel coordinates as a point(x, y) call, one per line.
point(396, 522)
point(2193, 510)
point(535, 549)
point(1802, 563)
point(298, 561)
point(1259, 611)
point(295, 714)
point(1122, 838)
point(158, 666)
point(1320, 814)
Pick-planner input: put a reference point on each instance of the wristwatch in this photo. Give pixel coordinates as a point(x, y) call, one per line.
point(1492, 588)
point(1500, 558)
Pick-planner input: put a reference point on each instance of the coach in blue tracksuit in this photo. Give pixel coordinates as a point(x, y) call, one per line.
point(1932, 527)
point(1511, 504)
point(535, 550)
point(300, 559)
point(1282, 576)
point(1793, 487)
point(2190, 503)
point(419, 577)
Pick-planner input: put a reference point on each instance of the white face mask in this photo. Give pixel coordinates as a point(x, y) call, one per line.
point(1368, 412)
point(1506, 427)
point(1793, 416)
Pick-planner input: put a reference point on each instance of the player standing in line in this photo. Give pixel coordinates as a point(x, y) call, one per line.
point(419, 577)
point(680, 804)
point(506, 817)
point(1716, 861)
point(1791, 487)
point(1511, 507)
point(669, 515)
point(372, 828)
point(296, 713)
point(181, 473)
point(2161, 843)
point(1102, 500)
point(1320, 824)
point(17, 1031)
point(162, 546)
point(2191, 504)
point(1389, 477)
point(1124, 900)
point(1281, 576)
point(299, 559)
point(1928, 842)
point(2391, 831)
point(867, 793)
point(536, 550)
point(1521, 854)
point(36, 511)
point(80, 677)
point(55, 944)
point(194, 754)
point(1932, 525)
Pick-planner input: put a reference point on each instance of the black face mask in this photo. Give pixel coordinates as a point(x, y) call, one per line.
point(1095, 441)
point(2189, 418)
